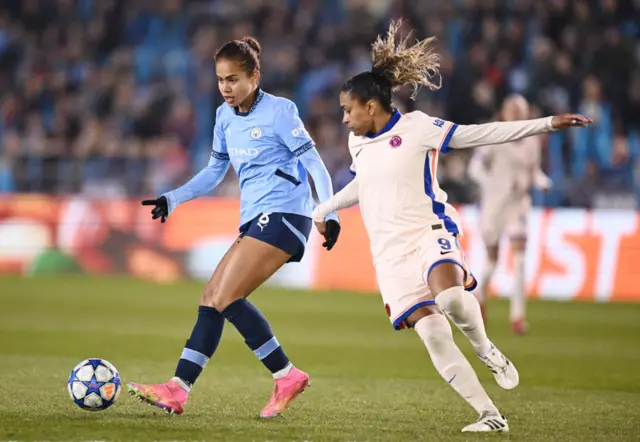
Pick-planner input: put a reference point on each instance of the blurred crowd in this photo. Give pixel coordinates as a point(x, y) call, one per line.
point(118, 97)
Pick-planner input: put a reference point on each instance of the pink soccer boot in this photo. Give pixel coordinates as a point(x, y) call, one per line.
point(285, 390)
point(169, 396)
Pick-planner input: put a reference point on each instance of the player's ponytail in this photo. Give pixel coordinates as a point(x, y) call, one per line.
point(245, 51)
point(394, 65)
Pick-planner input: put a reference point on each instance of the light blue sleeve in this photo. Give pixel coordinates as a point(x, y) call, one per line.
point(208, 178)
point(291, 132)
point(321, 178)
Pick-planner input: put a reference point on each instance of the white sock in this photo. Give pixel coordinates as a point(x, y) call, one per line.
point(519, 297)
point(435, 332)
point(285, 371)
point(186, 387)
point(464, 311)
point(487, 274)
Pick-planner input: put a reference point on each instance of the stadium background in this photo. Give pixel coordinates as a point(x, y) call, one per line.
point(103, 102)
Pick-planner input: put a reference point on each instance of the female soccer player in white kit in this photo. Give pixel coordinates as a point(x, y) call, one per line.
point(506, 173)
point(420, 267)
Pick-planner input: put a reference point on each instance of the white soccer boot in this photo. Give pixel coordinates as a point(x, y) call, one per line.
point(503, 370)
point(488, 423)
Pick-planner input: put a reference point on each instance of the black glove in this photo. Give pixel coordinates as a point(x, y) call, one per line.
point(331, 234)
point(161, 209)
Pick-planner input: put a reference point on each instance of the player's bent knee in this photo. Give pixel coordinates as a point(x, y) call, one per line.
point(436, 333)
point(208, 295)
point(422, 312)
point(452, 298)
point(222, 300)
point(445, 275)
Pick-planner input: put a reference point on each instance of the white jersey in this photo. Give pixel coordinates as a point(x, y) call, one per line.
point(400, 198)
point(396, 184)
point(411, 227)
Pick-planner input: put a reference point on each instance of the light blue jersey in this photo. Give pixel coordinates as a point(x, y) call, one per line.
point(271, 152)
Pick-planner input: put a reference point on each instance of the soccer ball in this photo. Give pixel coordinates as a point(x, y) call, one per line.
point(94, 384)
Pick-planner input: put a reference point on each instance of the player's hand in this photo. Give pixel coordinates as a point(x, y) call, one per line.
point(566, 121)
point(331, 233)
point(543, 182)
point(161, 209)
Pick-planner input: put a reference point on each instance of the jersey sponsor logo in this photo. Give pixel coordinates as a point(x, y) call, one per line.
point(299, 132)
point(395, 141)
point(438, 122)
point(242, 151)
point(256, 133)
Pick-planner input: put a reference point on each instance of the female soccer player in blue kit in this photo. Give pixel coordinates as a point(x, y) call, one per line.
point(262, 136)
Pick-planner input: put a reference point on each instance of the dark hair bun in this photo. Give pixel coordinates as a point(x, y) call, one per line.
point(253, 44)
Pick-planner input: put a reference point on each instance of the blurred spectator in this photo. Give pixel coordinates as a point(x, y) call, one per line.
point(119, 97)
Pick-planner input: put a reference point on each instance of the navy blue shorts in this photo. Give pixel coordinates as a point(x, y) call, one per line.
point(285, 231)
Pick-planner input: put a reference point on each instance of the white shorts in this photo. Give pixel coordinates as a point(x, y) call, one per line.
point(509, 216)
point(403, 281)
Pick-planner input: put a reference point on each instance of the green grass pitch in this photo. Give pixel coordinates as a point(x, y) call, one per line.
point(579, 368)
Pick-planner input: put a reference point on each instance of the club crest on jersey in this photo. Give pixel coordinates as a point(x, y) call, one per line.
point(395, 141)
point(256, 133)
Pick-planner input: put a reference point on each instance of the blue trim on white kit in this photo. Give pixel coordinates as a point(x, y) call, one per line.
point(194, 356)
point(267, 348)
point(447, 139)
point(438, 207)
point(295, 231)
point(405, 315)
point(442, 261)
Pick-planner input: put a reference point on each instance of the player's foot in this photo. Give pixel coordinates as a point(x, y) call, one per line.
point(169, 396)
point(285, 390)
point(488, 422)
point(503, 370)
point(519, 326)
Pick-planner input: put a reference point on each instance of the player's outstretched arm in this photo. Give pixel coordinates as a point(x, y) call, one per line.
point(506, 131)
point(204, 182)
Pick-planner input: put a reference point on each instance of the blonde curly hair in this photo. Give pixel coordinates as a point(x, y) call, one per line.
point(404, 63)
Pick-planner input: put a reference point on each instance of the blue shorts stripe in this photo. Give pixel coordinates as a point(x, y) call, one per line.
point(400, 319)
point(267, 348)
point(195, 357)
point(295, 231)
point(442, 261)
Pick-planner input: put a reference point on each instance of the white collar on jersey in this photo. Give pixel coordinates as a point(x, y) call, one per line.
point(395, 117)
point(259, 97)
